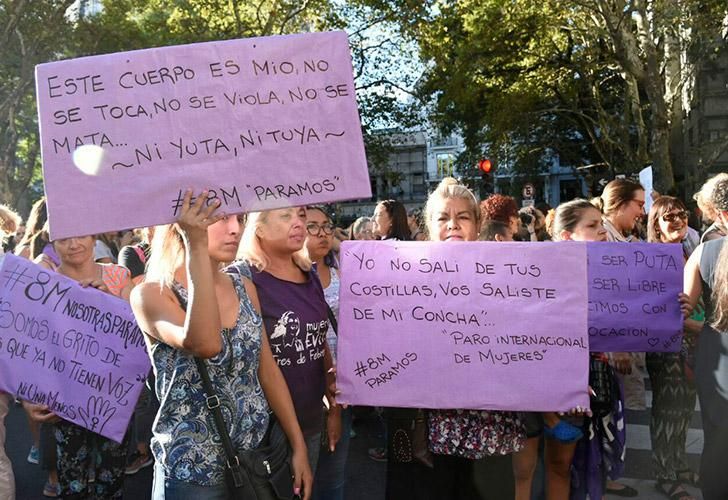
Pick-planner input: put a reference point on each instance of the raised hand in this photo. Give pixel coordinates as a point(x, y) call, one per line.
point(196, 217)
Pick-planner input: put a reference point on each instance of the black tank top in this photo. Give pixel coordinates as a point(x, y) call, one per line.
point(711, 363)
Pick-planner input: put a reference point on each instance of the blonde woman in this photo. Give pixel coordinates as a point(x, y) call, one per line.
point(705, 203)
point(294, 312)
point(188, 308)
point(472, 448)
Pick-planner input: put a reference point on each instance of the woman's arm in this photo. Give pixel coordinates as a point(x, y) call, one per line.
point(692, 281)
point(159, 315)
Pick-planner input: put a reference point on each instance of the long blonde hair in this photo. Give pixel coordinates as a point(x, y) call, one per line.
point(166, 255)
point(719, 297)
point(251, 251)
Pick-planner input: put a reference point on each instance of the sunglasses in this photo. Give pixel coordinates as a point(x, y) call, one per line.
point(674, 216)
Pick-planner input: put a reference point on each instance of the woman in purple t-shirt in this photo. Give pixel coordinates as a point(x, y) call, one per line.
point(294, 312)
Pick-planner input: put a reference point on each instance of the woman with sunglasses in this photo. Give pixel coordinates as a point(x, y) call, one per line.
point(673, 393)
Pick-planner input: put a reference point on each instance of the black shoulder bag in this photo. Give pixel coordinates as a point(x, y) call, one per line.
point(261, 474)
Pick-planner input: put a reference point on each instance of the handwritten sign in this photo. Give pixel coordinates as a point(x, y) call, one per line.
point(78, 351)
point(633, 291)
point(262, 122)
point(463, 325)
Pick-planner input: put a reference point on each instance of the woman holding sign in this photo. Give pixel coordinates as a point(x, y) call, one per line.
point(673, 393)
point(79, 450)
point(472, 448)
point(706, 275)
point(622, 205)
point(190, 309)
point(597, 457)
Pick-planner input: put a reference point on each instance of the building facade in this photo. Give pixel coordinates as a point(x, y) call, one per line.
point(403, 178)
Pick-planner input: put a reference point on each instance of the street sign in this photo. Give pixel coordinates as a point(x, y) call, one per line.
point(528, 191)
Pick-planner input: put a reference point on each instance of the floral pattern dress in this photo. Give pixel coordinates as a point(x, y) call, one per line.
point(475, 434)
point(186, 441)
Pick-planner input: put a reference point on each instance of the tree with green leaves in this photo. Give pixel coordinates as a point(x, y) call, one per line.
point(591, 80)
point(36, 32)
point(33, 32)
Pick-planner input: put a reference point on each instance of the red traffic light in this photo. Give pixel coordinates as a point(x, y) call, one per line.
point(485, 165)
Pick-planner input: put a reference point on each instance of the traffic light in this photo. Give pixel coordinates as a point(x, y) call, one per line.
point(487, 186)
point(484, 165)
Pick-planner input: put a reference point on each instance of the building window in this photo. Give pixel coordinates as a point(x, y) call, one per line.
point(445, 164)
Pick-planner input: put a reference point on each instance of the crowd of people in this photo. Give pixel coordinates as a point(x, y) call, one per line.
point(244, 308)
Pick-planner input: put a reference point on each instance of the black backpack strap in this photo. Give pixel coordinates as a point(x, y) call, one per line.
point(332, 320)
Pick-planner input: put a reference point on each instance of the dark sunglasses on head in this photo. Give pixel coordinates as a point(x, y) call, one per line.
point(674, 216)
point(314, 229)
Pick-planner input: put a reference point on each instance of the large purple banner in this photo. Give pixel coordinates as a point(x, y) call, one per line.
point(263, 122)
point(77, 350)
point(633, 297)
point(464, 325)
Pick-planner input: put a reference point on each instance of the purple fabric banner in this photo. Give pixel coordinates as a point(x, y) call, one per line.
point(262, 122)
point(633, 297)
point(463, 325)
point(77, 350)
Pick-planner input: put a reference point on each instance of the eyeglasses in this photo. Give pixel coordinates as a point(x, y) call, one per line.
point(314, 229)
point(674, 216)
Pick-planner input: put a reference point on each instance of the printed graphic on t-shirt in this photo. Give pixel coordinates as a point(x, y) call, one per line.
point(293, 344)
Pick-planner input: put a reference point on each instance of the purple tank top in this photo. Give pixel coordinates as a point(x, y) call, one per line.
point(296, 322)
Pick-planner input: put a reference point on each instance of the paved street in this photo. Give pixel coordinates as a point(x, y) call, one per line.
point(365, 477)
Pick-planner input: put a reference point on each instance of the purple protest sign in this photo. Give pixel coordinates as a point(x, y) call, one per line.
point(633, 292)
point(463, 325)
point(263, 122)
point(77, 350)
